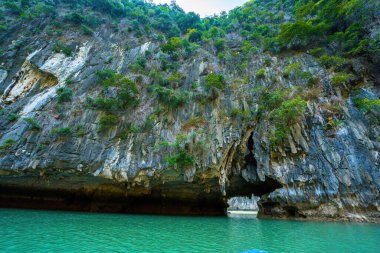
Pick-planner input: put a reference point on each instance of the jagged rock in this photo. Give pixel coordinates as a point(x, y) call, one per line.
point(315, 173)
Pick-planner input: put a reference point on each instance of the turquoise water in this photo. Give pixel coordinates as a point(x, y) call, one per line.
point(44, 231)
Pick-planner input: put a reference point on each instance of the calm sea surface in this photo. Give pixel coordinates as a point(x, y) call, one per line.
point(46, 231)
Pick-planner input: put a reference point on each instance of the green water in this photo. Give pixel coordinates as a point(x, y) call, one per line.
point(44, 231)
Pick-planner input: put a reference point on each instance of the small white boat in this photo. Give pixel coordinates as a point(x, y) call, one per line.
point(242, 214)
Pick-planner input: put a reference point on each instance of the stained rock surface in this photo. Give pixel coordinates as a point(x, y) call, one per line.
point(56, 153)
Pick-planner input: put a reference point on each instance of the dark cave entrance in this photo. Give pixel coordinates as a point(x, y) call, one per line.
point(248, 183)
point(250, 157)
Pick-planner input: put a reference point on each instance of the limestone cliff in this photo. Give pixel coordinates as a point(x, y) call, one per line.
point(282, 126)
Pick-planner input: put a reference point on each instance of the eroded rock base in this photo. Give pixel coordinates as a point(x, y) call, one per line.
point(101, 195)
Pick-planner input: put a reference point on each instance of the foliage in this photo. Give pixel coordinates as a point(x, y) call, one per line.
point(215, 81)
point(289, 111)
point(293, 68)
point(7, 144)
point(287, 114)
point(333, 61)
point(245, 115)
point(180, 157)
point(62, 131)
point(317, 52)
point(107, 121)
point(367, 105)
point(33, 123)
point(82, 20)
point(175, 79)
point(127, 91)
point(170, 97)
point(220, 45)
point(300, 34)
point(103, 104)
point(341, 78)
point(12, 117)
point(261, 73)
point(87, 30)
point(64, 94)
point(80, 131)
point(60, 47)
point(173, 44)
point(194, 35)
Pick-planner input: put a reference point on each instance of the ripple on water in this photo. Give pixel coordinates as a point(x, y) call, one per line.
point(43, 231)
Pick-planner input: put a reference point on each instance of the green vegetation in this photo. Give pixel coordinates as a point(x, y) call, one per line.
point(103, 104)
point(293, 69)
point(180, 157)
point(80, 131)
point(367, 105)
point(13, 117)
point(64, 94)
point(245, 115)
point(107, 121)
point(7, 145)
point(170, 97)
point(62, 131)
point(87, 30)
point(33, 123)
point(175, 79)
point(220, 45)
point(286, 115)
point(127, 92)
point(172, 45)
point(341, 78)
point(300, 34)
point(331, 61)
point(261, 73)
point(82, 20)
point(282, 108)
point(215, 81)
point(60, 47)
point(317, 23)
point(194, 35)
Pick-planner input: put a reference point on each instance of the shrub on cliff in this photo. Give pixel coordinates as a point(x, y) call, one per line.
point(61, 131)
point(261, 73)
point(287, 114)
point(103, 104)
point(220, 45)
point(171, 97)
point(179, 156)
point(333, 61)
point(32, 123)
point(7, 144)
point(87, 30)
point(12, 117)
point(127, 91)
point(173, 44)
point(215, 81)
point(60, 47)
point(289, 111)
point(107, 121)
point(341, 78)
point(194, 35)
point(64, 94)
point(367, 105)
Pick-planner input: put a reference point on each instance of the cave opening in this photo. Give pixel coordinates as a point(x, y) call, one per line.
point(248, 189)
point(250, 157)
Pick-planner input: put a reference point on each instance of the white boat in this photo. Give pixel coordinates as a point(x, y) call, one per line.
point(242, 214)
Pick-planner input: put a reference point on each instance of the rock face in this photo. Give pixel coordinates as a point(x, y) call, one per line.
point(326, 167)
